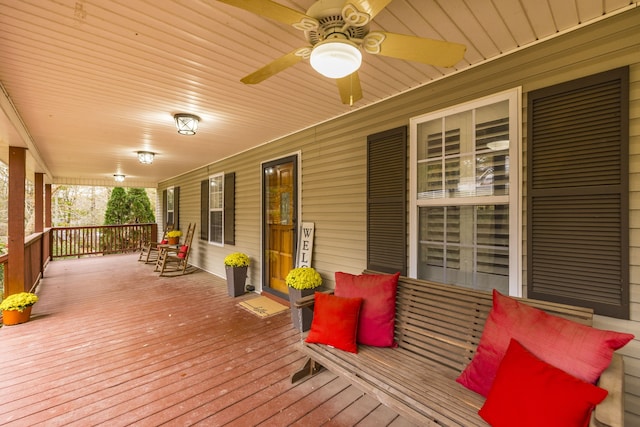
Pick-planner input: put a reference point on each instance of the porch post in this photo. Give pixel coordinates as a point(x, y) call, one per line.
point(15, 266)
point(39, 202)
point(47, 206)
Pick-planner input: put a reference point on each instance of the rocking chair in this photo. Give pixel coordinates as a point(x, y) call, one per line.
point(149, 250)
point(175, 259)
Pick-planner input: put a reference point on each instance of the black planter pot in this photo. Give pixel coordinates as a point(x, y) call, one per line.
point(301, 317)
point(236, 278)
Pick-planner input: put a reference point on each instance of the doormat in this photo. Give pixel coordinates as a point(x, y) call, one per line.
point(263, 306)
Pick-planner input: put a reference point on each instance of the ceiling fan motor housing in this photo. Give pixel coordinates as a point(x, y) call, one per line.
point(333, 26)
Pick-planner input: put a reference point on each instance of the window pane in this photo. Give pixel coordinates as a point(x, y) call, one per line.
point(432, 225)
point(492, 174)
point(215, 227)
point(170, 200)
point(216, 192)
point(465, 245)
point(430, 140)
point(492, 126)
point(452, 176)
point(430, 180)
point(453, 224)
point(493, 226)
point(458, 133)
point(492, 144)
point(473, 149)
point(431, 262)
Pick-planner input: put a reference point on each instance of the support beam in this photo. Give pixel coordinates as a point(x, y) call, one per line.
point(47, 206)
point(16, 265)
point(38, 220)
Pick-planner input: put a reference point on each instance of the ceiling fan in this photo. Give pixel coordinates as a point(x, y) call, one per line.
point(337, 31)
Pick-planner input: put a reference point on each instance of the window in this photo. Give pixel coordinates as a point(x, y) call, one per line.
point(171, 207)
point(217, 209)
point(464, 214)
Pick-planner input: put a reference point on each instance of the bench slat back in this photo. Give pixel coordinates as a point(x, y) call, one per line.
point(444, 323)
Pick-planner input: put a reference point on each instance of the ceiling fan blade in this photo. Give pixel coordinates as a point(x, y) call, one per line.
point(371, 7)
point(276, 66)
point(350, 89)
point(269, 9)
point(411, 48)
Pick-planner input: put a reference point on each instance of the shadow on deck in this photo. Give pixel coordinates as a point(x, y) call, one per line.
point(112, 343)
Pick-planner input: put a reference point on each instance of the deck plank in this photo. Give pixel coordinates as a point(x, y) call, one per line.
point(111, 343)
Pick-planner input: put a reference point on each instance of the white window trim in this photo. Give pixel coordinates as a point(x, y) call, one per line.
point(209, 210)
point(514, 96)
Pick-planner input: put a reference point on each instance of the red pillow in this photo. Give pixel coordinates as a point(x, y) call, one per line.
point(579, 350)
point(335, 322)
point(528, 392)
point(183, 251)
point(378, 312)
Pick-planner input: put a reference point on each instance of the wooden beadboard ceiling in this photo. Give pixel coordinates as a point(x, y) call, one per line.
point(94, 81)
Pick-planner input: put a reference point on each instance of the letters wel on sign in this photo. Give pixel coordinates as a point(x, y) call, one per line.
point(305, 245)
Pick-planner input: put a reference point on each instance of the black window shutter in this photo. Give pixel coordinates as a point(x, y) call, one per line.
point(577, 193)
point(176, 207)
point(387, 201)
point(229, 208)
point(164, 209)
point(204, 210)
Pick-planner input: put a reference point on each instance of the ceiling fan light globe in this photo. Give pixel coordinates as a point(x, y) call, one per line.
point(336, 58)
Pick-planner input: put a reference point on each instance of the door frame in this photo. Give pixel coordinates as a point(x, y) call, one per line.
point(295, 158)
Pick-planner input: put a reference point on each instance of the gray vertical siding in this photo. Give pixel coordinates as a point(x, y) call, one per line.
point(333, 163)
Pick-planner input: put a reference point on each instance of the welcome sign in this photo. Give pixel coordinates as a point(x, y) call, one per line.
point(305, 244)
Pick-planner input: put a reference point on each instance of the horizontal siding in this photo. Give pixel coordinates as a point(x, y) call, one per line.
point(632, 354)
point(333, 163)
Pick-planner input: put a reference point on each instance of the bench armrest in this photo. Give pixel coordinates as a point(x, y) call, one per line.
point(308, 301)
point(611, 411)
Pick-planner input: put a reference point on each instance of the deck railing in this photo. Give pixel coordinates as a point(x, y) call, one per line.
point(36, 255)
point(100, 239)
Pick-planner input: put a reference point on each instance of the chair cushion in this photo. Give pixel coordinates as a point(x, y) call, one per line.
point(335, 321)
point(528, 392)
point(378, 311)
point(182, 253)
point(579, 350)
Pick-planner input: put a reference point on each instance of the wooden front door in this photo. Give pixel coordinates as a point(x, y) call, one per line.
point(280, 219)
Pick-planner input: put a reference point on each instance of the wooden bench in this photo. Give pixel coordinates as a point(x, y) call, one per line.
point(438, 328)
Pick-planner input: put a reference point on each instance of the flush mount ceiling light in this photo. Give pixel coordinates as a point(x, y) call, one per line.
point(336, 58)
point(187, 124)
point(118, 177)
point(145, 157)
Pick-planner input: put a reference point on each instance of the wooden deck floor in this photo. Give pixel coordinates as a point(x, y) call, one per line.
point(111, 343)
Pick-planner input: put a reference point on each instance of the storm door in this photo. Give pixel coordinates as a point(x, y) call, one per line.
point(279, 216)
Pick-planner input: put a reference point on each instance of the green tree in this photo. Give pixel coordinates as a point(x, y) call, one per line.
point(141, 211)
point(126, 207)
point(118, 207)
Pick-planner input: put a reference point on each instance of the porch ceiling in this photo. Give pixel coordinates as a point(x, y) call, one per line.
point(93, 81)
